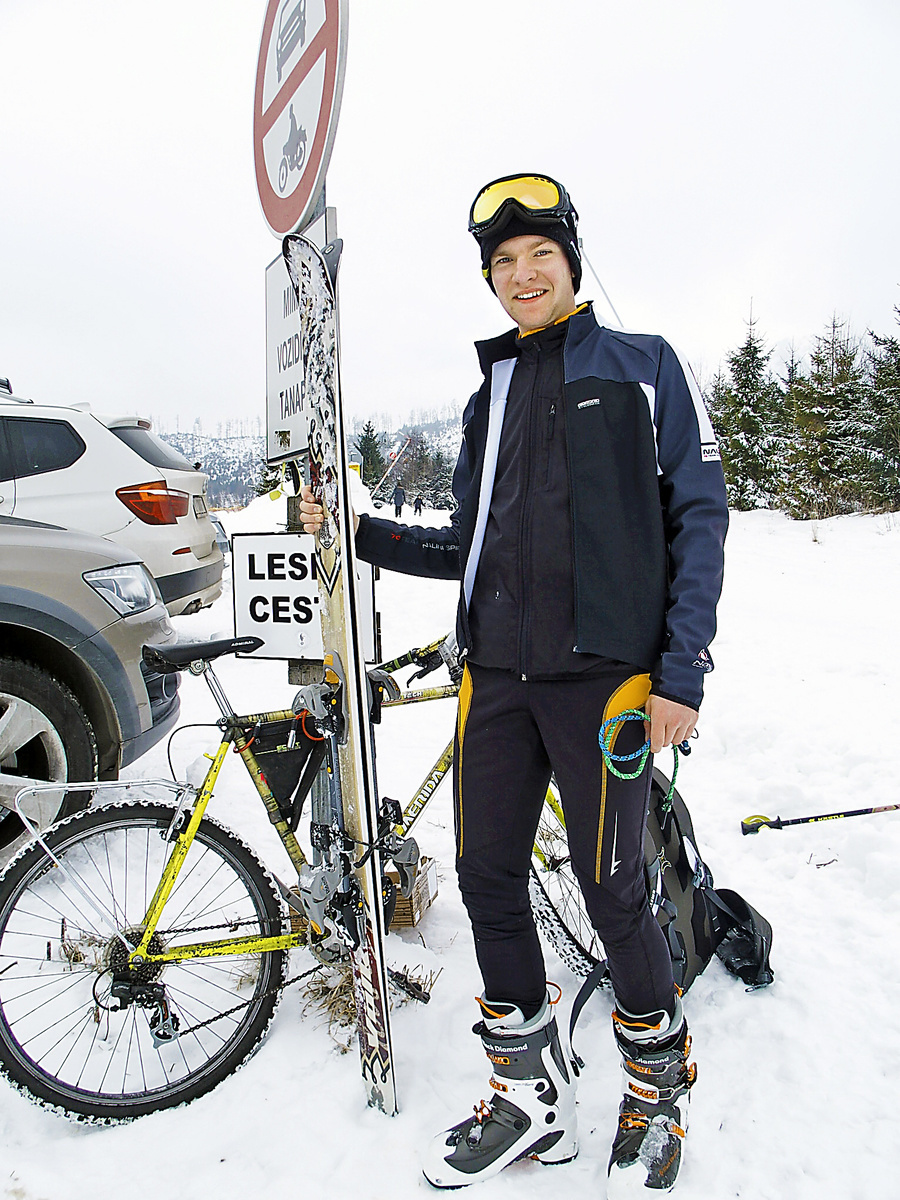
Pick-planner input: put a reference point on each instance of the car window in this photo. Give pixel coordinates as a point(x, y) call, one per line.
point(152, 449)
point(6, 467)
point(40, 446)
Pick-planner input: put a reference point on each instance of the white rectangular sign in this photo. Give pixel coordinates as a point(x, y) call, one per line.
point(276, 596)
point(285, 407)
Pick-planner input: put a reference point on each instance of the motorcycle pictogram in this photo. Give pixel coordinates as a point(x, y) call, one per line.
point(294, 151)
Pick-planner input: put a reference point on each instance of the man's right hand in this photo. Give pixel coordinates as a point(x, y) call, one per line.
point(312, 515)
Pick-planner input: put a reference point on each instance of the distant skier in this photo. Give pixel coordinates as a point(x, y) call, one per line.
point(589, 470)
point(417, 506)
point(398, 499)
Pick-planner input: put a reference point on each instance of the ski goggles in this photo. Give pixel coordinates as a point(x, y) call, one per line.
point(537, 197)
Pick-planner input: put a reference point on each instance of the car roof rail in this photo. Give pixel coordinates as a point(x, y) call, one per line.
point(5, 386)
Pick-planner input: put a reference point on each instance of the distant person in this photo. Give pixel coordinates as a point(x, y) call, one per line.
point(417, 506)
point(399, 499)
point(588, 540)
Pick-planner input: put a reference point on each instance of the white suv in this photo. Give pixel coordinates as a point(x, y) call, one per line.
point(112, 476)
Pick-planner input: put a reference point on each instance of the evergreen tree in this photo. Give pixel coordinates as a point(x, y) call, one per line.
point(829, 463)
point(884, 420)
point(714, 399)
point(370, 444)
point(440, 494)
point(416, 472)
point(749, 417)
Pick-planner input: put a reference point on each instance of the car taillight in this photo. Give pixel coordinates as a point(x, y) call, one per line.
point(155, 503)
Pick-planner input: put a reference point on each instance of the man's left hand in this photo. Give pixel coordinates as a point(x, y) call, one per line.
point(669, 722)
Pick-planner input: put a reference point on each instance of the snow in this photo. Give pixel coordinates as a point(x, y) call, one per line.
point(795, 1081)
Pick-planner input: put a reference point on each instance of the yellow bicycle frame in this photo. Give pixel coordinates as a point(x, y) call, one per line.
point(253, 943)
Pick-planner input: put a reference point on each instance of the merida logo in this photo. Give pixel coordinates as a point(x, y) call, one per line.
point(588, 403)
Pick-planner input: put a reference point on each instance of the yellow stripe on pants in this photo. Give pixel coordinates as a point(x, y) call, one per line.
point(632, 693)
point(462, 715)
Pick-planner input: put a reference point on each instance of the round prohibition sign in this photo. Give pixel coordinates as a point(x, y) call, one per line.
point(299, 80)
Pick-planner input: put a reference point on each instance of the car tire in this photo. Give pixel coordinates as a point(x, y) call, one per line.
point(45, 735)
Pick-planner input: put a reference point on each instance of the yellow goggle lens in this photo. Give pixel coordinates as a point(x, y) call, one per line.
point(531, 191)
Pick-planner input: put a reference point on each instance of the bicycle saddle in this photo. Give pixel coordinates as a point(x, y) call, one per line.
point(166, 659)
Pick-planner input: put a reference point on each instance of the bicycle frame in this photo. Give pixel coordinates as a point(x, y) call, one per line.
point(443, 765)
point(234, 737)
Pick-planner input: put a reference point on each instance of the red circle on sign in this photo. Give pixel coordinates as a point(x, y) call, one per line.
point(285, 22)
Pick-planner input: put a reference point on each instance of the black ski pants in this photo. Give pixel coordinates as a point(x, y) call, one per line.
point(511, 734)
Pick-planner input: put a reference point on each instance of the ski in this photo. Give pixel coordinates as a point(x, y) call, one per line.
point(345, 881)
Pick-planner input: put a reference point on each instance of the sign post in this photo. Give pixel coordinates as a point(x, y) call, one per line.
point(296, 104)
point(297, 100)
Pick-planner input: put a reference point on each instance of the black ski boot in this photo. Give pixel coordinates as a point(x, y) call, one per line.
point(649, 1142)
point(532, 1111)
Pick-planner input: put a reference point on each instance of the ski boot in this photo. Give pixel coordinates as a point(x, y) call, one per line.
point(647, 1149)
point(532, 1111)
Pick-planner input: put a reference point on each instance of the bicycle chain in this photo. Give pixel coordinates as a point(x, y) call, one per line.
point(244, 1003)
point(413, 990)
point(272, 991)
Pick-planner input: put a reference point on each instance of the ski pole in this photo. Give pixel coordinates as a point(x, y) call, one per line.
point(755, 824)
point(422, 656)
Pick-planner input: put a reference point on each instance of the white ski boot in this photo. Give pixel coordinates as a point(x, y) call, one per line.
point(532, 1111)
point(653, 1116)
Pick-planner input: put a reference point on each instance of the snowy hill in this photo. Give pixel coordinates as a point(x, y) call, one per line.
point(232, 463)
point(793, 1095)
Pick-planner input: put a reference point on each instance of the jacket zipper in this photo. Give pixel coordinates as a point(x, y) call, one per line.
point(525, 528)
point(551, 421)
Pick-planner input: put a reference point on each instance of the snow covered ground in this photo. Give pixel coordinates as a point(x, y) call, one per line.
point(794, 1097)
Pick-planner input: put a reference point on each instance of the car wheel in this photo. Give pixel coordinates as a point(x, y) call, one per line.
point(45, 737)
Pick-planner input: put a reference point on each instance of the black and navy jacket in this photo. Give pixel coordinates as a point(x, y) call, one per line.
point(646, 500)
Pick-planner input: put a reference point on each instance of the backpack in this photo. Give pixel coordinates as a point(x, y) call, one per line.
point(697, 919)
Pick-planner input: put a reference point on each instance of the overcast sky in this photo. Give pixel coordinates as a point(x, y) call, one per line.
point(719, 154)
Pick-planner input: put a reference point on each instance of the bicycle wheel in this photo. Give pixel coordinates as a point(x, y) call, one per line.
point(556, 899)
point(62, 1039)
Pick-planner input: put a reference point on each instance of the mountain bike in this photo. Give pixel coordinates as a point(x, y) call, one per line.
point(143, 946)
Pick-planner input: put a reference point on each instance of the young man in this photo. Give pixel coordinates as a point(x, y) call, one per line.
point(588, 541)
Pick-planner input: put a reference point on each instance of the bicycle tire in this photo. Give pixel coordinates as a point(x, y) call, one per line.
point(556, 899)
point(61, 1042)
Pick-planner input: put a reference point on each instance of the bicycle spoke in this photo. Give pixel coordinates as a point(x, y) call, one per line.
point(63, 1033)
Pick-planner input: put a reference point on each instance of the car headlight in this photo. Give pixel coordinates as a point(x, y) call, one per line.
point(130, 589)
